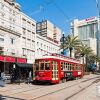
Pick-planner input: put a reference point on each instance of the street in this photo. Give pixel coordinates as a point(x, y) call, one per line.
point(81, 89)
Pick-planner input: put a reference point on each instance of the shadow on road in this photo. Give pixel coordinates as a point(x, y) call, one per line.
point(2, 98)
point(42, 83)
point(8, 97)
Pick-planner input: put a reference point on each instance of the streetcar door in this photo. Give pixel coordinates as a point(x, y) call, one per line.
point(54, 70)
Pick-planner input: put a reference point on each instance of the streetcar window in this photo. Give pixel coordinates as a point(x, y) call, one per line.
point(61, 65)
point(37, 66)
point(68, 66)
point(79, 67)
point(73, 67)
point(41, 66)
point(47, 66)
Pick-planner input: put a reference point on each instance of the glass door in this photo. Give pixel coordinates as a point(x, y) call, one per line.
point(55, 70)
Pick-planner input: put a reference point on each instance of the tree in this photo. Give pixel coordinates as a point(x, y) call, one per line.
point(70, 43)
point(93, 58)
point(85, 51)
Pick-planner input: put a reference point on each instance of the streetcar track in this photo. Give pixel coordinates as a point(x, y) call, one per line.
point(27, 90)
point(14, 89)
point(56, 90)
point(96, 81)
point(90, 79)
point(66, 88)
point(32, 85)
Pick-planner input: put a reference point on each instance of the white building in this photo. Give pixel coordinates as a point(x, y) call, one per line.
point(28, 37)
point(86, 30)
point(10, 30)
point(47, 38)
point(43, 46)
point(18, 34)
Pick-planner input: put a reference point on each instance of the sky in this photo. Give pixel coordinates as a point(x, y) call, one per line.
point(59, 12)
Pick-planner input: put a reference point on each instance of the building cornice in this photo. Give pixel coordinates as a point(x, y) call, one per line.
point(10, 31)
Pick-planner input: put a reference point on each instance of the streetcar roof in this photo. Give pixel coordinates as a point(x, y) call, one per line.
point(60, 58)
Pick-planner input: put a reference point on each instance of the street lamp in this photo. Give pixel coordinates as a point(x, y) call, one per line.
point(63, 41)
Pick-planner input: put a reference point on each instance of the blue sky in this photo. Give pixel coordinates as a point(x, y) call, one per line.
point(59, 12)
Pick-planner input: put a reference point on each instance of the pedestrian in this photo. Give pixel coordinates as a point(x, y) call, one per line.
point(30, 77)
point(3, 78)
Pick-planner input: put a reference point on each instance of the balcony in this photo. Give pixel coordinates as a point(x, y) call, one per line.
point(10, 30)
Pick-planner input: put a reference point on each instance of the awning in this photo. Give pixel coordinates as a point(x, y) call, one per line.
point(21, 60)
point(23, 65)
point(1, 58)
point(9, 59)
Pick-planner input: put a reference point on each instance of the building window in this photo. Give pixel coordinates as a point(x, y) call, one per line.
point(33, 35)
point(24, 31)
point(2, 6)
point(24, 52)
point(12, 40)
point(28, 34)
point(1, 38)
point(23, 21)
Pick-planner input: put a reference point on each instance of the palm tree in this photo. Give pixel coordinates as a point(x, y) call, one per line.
point(70, 43)
point(85, 51)
point(94, 58)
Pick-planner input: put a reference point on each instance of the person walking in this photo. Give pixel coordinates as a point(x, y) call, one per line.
point(3, 78)
point(30, 77)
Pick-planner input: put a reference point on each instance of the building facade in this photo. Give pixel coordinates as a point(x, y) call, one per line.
point(47, 39)
point(87, 32)
point(28, 31)
point(19, 42)
point(48, 30)
point(44, 46)
point(10, 30)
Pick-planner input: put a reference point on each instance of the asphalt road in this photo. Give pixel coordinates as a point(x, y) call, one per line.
point(86, 88)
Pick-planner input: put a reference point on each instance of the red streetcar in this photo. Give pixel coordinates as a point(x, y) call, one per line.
point(57, 68)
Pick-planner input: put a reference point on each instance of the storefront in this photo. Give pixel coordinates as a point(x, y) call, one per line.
point(15, 68)
point(22, 68)
point(1, 64)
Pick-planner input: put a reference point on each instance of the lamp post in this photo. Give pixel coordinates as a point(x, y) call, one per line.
point(63, 41)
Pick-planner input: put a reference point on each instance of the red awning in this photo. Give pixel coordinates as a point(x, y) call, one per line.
point(9, 59)
point(21, 60)
point(1, 58)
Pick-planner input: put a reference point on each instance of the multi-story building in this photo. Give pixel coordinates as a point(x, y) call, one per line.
point(10, 30)
point(87, 30)
point(47, 39)
point(19, 42)
point(48, 30)
point(10, 33)
point(44, 46)
point(28, 37)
